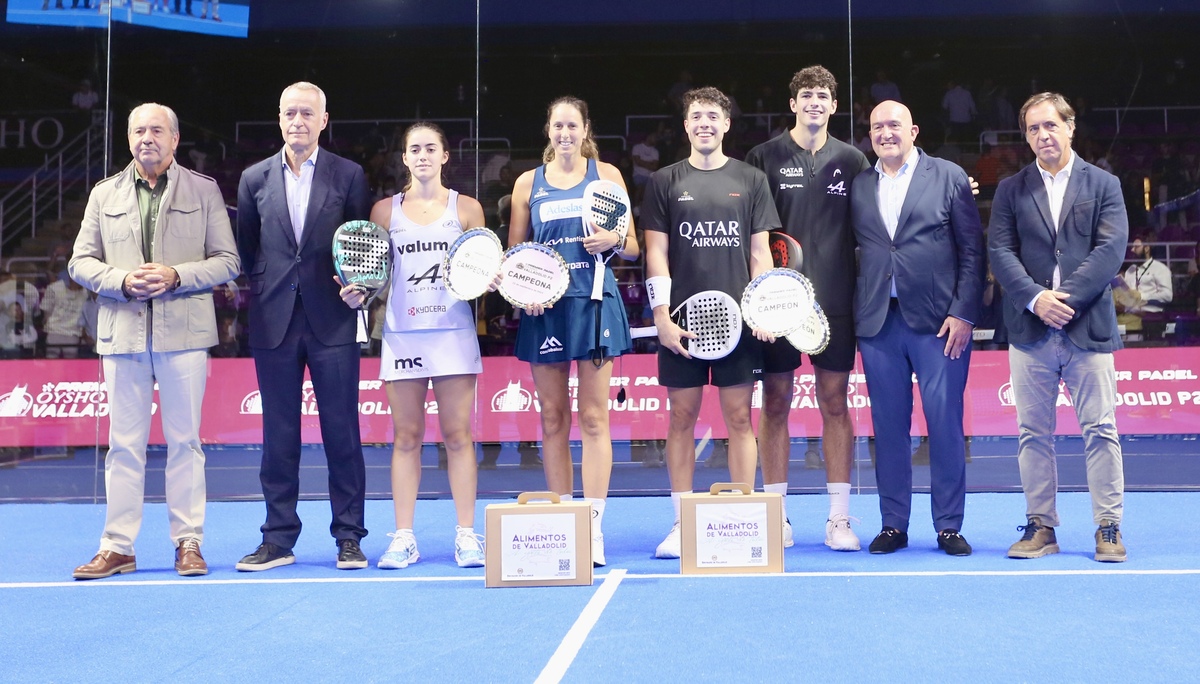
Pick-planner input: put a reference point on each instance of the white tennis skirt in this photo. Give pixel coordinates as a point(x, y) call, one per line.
point(429, 354)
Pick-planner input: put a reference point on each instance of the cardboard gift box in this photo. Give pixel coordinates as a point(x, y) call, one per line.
point(731, 529)
point(539, 541)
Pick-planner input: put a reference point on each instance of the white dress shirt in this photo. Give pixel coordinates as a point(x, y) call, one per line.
point(299, 189)
point(1056, 188)
point(890, 194)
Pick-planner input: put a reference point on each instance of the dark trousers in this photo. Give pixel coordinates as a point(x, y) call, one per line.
point(334, 373)
point(889, 360)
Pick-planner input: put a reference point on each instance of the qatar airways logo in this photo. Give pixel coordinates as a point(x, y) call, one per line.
point(791, 172)
point(711, 233)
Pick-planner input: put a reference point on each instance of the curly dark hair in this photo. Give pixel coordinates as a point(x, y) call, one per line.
point(815, 76)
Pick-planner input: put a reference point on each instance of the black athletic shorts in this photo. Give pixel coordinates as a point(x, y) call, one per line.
point(742, 367)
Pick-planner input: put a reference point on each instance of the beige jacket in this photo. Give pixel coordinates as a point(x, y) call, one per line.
point(192, 236)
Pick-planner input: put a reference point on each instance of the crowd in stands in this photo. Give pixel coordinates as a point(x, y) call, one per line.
point(974, 124)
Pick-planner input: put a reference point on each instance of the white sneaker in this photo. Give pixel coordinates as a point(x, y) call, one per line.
point(468, 548)
point(839, 536)
point(401, 553)
point(598, 549)
point(788, 542)
point(669, 548)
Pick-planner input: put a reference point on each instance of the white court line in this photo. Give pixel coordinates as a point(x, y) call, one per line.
point(573, 641)
point(623, 574)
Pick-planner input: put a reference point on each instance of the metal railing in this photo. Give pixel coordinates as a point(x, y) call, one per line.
point(39, 197)
point(1120, 113)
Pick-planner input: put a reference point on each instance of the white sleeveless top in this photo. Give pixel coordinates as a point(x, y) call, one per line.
point(418, 299)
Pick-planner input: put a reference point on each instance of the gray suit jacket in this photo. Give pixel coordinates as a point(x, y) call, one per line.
point(1088, 246)
point(192, 236)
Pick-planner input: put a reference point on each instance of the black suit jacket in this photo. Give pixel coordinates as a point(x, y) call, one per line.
point(1088, 246)
point(278, 268)
point(936, 255)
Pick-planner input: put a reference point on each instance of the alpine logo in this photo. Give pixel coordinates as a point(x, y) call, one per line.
point(838, 188)
point(551, 345)
point(685, 197)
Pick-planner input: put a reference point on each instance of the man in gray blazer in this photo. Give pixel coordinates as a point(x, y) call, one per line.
point(155, 240)
point(1056, 239)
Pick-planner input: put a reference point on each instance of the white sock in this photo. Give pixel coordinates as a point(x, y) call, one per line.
point(678, 502)
point(839, 498)
point(465, 530)
point(778, 488)
point(597, 513)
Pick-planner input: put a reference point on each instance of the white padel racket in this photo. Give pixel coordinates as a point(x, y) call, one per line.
point(715, 318)
point(777, 301)
point(812, 337)
point(605, 204)
point(362, 257)
point(471, 263)
point(533, 273)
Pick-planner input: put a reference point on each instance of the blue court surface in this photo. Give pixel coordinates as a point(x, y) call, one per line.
point(917, 615)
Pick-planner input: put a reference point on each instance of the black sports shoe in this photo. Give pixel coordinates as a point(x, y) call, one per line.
point(265, 557)
point(950, 541)
point(889, 540)
point(350, 556)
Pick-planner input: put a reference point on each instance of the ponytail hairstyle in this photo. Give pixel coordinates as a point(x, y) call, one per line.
point(422, 125)
point(589, 148)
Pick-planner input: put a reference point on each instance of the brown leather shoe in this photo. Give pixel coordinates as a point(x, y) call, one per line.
point(188, 561)
point(105, 564)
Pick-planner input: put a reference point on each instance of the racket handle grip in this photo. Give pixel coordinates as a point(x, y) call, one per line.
point(598, 281)
point(361, 319)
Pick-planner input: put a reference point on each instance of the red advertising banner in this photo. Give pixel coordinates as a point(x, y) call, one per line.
point(64, 402)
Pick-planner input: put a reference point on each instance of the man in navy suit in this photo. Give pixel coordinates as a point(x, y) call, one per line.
point(289, 207)
point(1057, 237)
point(920, 280)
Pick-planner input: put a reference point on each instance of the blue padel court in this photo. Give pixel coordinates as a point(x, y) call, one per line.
point(916, 615)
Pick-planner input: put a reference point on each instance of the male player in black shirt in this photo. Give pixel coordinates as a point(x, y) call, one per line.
point(809, 174)
point(706, 221)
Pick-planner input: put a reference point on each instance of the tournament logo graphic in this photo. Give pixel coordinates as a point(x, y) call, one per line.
point(512, 399)
point(541, 192)
point(16, 403)
point(686, 197)
point(251, 404)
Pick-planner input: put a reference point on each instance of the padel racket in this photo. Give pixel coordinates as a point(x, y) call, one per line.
point(471, 263)
point(533, 273)
point(785, 250)
point(362, 257)
point(812, 337)
point(715, 318)
point(605, 204)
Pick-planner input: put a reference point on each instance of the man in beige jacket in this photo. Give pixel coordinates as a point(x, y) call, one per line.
point(155, 240)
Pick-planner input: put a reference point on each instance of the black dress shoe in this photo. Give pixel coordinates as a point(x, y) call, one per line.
point(889, 540)
point(350, 556)
point(950, 541)
point(265, 557)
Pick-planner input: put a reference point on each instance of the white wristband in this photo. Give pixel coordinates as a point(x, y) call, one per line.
point(658, 288)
